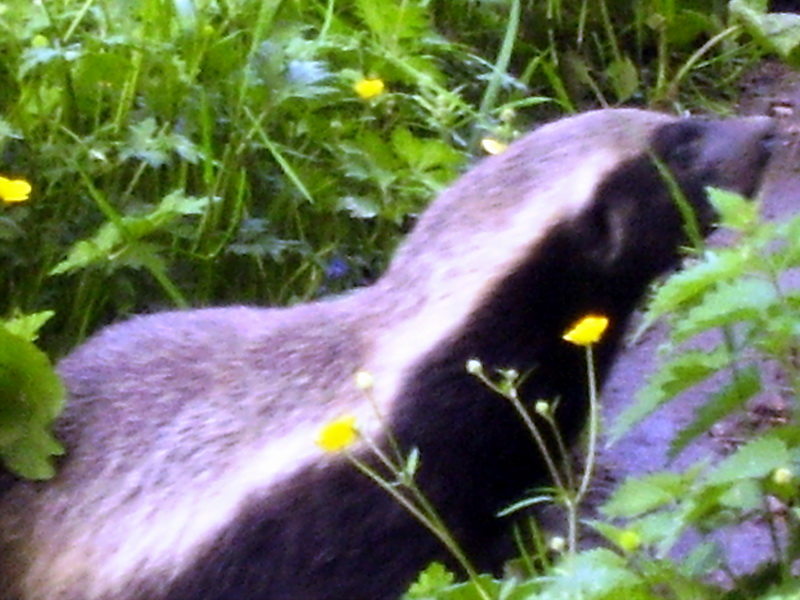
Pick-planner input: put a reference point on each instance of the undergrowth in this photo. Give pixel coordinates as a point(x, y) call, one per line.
point(195, 152)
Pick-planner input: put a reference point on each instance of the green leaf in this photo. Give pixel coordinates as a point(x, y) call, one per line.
point(734, 210)
point(432, 579)
point(755, 459)
point(638, 496)
point(624, 78)
point(675, 376)
point(594, 574)
point(745, 384)
point(305, 78)
point(34, 57)
point(146, 143)
point(776, 32)
point(437, 583)
point(31, 396)
point(393, 22)
point(789, 233)
point(687, 287)
point(359, 207)
point(745, 495)
point(431, 161)
point(116, 246)
point(27, 326)
point(728, 304)
point(370, 158)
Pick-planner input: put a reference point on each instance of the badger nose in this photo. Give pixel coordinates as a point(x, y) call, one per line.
point(738, 150)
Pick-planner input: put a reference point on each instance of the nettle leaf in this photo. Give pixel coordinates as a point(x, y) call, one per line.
point(391, 21)
point(745, 495)
point(785, 590)
point(255, 238)
point(734, 210)
point(687, 287)
point(9, 131)
point(37, 56)
point(595, 573)
point(675, 376)
point(777, 32)
point(744, 384)
point(754, 460)
point(638, 496)
point(789, 234)
point(359, 206)
point(31, 396)
point(435, 577)
point(432, 161)
point(304, 79)
point(728, 304)
point(369, 158)
point(146, 143)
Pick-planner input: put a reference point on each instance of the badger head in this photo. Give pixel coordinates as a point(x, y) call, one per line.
point(637, 221)
point(577, 216)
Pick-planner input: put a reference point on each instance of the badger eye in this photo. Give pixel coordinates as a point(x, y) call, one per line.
point(682, 156)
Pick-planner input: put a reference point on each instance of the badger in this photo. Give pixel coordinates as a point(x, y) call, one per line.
point(192, 471)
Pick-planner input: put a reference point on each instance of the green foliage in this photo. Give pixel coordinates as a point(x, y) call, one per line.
point(776, 32)
point(111, 105)
point(740, 288)
point(744, 290)
point(31, 396)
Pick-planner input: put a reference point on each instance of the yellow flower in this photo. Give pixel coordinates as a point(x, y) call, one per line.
point(369, 88)
point(587, 331)
point(338, 434)
point(14, 190)
point(493, 146)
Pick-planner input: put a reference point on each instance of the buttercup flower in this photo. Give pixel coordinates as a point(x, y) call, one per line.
point(493, 146)
point(338, 434)
point(369, 88)
point(14, 190)
point(587, 331)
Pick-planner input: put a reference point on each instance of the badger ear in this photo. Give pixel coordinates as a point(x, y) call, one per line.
point(605, 232)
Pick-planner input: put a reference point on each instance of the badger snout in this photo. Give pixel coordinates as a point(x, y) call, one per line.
point(737, 151)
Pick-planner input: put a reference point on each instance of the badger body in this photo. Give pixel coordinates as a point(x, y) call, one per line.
point(192, 471)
